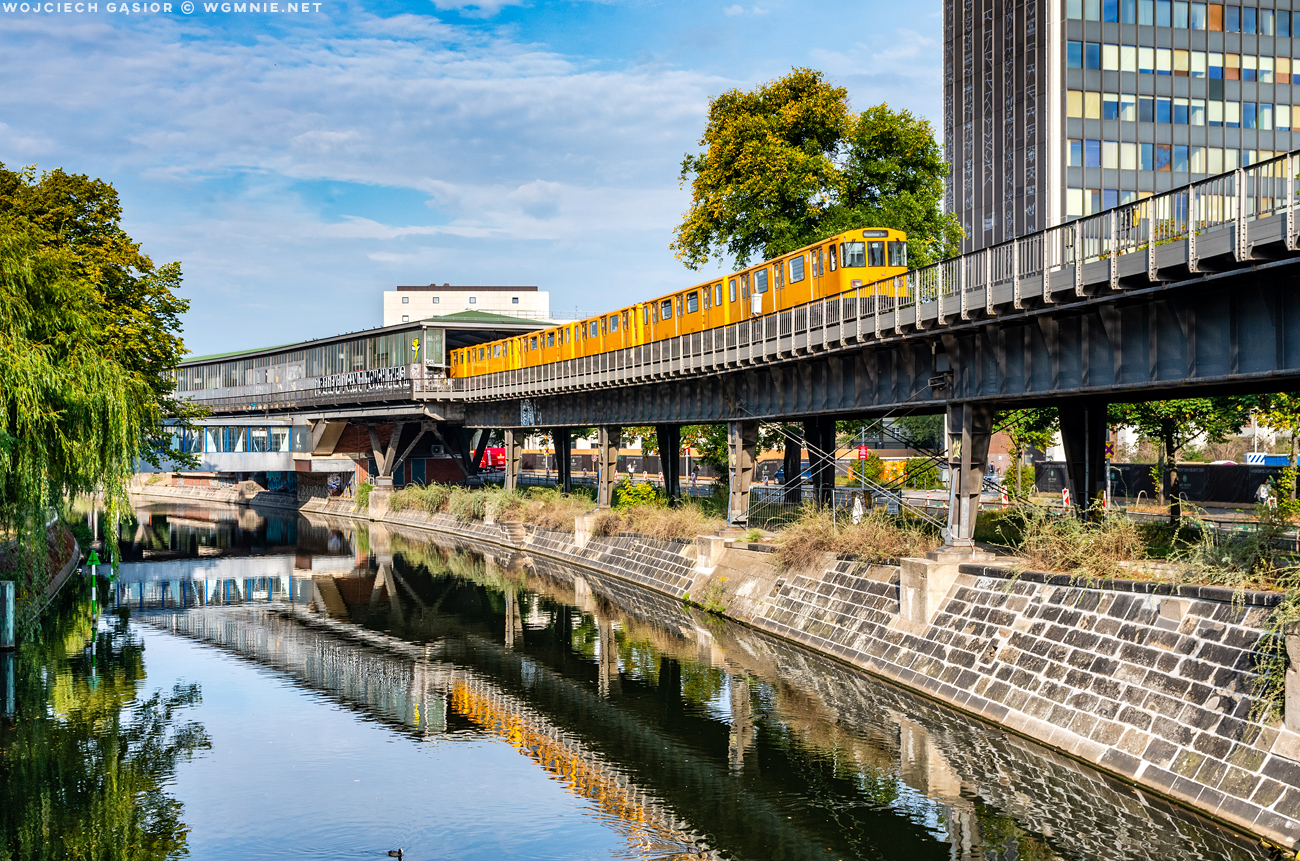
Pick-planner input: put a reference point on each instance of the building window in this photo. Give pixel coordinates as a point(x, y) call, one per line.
point(1074, 104)
point(406, 300)
point(473, 300)
point(436, 300)
point(1196, 112)
point(406, 318)
point(1128, 159)
point(1180, 158)
point(1092, 106)
point(1074, 55)
point(1110, 58)
point(1146, 109)
point(1147, 60)
point(1164, 61)
point(514, 300)
point(1075, 149)
point(1110, 106)
point(1110, 157)
point(1197, 18)
point(1232, 19)
point(1092, 153)
point(1128, 111)
point(1180, 112)
point(1128, 58)
point(1074, 202)
point(1146, 156)
point(1092, 55)
point(1163, 156)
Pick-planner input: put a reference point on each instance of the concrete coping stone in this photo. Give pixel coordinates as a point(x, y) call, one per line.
point(1223, 594)
point(758, 548)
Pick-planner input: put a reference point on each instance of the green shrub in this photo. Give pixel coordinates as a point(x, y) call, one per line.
point(921, 472)
point(466, 504)
point(628, 494)
point(363, 496)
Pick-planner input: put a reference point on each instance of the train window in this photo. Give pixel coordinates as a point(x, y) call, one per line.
point(613, 323)
point(733, 289)
point(760, 280)
point(533, 343)
point(830, 256)
point(666, 309)
point(679, 306)
point(898, 254)
point(876, 253)
point(627, 315)
point(796, 269)
point(717, 293)
point(778, 273)
point(692, 302)
point(593, 328)
point(496, 351)
point(853, 254)
point(550, 339)
point(645, 316)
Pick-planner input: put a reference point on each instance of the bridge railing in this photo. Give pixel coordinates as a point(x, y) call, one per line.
point(1002, 276)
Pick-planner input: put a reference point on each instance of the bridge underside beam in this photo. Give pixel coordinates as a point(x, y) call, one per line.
point(563, 441)
point(1083, 434)
point(1226, 336)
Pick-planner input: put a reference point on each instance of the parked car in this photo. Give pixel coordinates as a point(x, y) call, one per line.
point(779, 478)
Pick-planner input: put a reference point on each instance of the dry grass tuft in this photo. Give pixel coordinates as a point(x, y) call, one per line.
point(548, 508)
point(878, 537)
point(1073, 546)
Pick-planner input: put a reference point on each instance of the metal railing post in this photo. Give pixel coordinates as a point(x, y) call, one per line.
point(1152, 273)
point(1193, 259)
point(988, 281)
point(1114, 250)
point(1078, 257)
point(1240, 249)
point(1015, 273)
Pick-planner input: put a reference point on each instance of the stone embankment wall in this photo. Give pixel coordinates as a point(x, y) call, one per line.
point(1155, 688)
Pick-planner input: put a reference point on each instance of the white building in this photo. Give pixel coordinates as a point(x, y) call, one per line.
point(408, 304)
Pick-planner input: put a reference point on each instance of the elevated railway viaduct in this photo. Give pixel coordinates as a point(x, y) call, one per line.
point(1183, 294)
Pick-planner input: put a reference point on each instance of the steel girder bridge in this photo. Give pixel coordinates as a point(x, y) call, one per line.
point(1185, 293)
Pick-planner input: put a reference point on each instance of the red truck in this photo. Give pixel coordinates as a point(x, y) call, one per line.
point(493, 458)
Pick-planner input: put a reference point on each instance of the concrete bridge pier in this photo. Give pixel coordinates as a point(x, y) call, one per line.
point(970, 429)
point(563, 440)
point(670, 456)
point(742, 449)
point(514, 451)
point(609, 439)
point(792, 467)
point(1083, 433)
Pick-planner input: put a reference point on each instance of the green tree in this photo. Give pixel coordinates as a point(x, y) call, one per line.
point(1174, 424)
point(135, 310)
point(1034, 427)
point(922, 432)
point(789, 163)
point(87, 341)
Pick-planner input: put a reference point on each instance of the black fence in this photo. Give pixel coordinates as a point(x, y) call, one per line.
point(1229, 483)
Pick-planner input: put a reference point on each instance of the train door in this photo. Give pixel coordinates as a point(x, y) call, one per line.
point(758, 303)
point(798, 281)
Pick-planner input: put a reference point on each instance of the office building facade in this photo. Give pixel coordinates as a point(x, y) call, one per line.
point(1055, 109)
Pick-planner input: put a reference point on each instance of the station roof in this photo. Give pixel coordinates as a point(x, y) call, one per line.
point(463, 328)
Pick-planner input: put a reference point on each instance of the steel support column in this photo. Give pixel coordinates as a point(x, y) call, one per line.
point(670, 458)
point(1083, 433)
point(607, 465)
point(742, 446)
point(514, 458)
point(820, 435)
point(970, 428)
point(792, 467)
point(563, 441)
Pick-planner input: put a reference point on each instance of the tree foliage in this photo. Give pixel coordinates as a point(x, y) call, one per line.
point(789, 163)
point(87, 336)
point(1033, 427)
point(1176, 423)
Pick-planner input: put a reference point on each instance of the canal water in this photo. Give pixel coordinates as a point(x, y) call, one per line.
point(288, 687)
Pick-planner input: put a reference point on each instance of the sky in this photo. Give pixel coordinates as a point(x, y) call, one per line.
point(298, 164)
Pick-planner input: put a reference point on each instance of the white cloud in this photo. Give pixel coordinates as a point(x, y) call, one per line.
point(734, 10)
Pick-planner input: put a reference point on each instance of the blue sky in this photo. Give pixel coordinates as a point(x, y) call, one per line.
point(299, 164)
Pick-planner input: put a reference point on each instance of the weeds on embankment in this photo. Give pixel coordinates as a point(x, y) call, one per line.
point(878, 537)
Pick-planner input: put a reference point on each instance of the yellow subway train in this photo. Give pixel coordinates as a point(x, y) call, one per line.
point(838, 264)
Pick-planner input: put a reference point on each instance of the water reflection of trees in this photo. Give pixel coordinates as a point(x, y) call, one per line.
point(86, 762)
